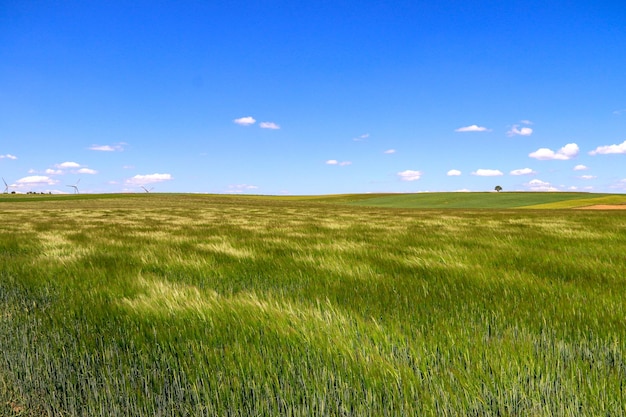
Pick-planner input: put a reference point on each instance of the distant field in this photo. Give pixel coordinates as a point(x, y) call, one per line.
point(200, 305)
point(491, 200)
point(455, 200)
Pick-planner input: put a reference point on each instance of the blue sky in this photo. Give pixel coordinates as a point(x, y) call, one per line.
point(284, 97)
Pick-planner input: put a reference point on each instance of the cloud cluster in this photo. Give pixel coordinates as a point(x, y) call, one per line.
point(245, 121)
point(472, 128)
point(409, 175)
point(139, 180)
point(8, 156)
point(523, 171)
point(249, 121)
point(487, 173)
point(118, 147)
point(517, 131)
point(538, 185)
point(335, 162)
point(67, 167)
point(240, 188)
point(609, 149)
point(568, 151)
point(35, 180)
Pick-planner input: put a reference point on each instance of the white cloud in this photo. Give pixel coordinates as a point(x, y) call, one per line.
point(410, 175)
point(66, 165)
point(87, 171)
point(107, 148)
point(335, 162)
point(526, 122)
point(472, 128)
point(390, 151)
point(516, 130)
point(148, 179)
point(538, 185)
point(453, 173)
point(609, 149)
point(523, 171)
point(52, 171)
point(269, 125)
point(487, 173)
point(36, 180)
point(619, 112)
point(8, 156)
point(240, 188)
point(580, 168)
point(362, 137)
point(245, 121)
point(587, 177)
point(568, 151)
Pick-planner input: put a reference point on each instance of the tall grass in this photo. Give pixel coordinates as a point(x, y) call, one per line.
point(195, 305)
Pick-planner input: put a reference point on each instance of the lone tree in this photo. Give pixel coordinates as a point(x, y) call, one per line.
point(498, 188)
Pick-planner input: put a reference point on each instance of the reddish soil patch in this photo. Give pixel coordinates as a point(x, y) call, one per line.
point(604, 207)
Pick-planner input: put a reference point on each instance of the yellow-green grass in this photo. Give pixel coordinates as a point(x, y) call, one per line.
point(180, 305)
point(617, 199)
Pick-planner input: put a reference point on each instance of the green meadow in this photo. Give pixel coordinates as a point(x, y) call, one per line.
point(443, 304)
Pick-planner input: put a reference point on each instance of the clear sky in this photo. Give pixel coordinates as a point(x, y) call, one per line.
point(318, 97)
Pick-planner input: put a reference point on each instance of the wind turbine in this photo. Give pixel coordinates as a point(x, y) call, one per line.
point(146, 190)
point(75, 187)
point(6, 187)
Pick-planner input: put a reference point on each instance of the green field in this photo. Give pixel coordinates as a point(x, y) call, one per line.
point(427, 304)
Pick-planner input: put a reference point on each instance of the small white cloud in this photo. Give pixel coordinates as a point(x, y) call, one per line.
point(453, 173)
point(523, 171)
point(269, 125)
point(240, 188)
point(487, 173)
point(87, 171)
point(526, 122)
point(245, 121)
point(472, 128)
point(580, 168)
point(8, 156)
point(568, 151)
point(139, 180)
point(410, 175)
point(390, 151)
point(587, 177)
point(619, 112)
point(52, 171)
point(107, 148)
point(335, 162)
point(517, 131)
point(362, 137)
point(36, 180)
point(66, 165)
point(538, 185)
point(610, 149)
